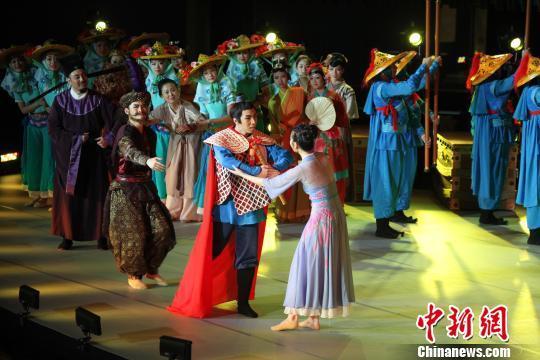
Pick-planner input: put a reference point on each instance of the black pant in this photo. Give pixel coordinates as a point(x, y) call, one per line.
point(247, 241)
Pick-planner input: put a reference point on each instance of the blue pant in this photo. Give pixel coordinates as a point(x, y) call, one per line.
point(410, 164)
point(533, 217)
point(247, 241)
point(387, 178)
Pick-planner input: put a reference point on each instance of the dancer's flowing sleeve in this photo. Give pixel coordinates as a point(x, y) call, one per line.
point(403, 88)
point(279, 184)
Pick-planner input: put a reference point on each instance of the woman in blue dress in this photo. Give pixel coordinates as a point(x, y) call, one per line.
point(320, 279)
point(214, 95)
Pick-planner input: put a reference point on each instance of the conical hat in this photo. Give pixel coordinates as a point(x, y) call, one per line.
point(379, 62)
point(409, 55)
point(203, 61)
point(529, 68)
point(140, 40)
point(242, 43)
point(321, 112)
point(279, 46)
point(488, 65)
point(7, 54)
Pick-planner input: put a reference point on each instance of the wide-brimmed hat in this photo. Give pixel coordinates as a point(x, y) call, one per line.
point(240, 43)
point(529, 68)
point(321, 112)
point(16, 50)
point(51, 46)
point(279, 46)
point(93, 35)
point(405, 60)
point(380, 61)
point(146, 38)
point(157, 51)
point(483, 66)
point(202, 61)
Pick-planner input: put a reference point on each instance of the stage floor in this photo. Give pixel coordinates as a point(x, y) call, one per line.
point(446, 259)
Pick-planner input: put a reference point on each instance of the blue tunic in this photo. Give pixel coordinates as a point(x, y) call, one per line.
point(528, 195)
point(387, 146)
point(493, 135)
point(226, 212)
point(413, 138)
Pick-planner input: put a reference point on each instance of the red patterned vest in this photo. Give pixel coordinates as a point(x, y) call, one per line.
point(247, 196)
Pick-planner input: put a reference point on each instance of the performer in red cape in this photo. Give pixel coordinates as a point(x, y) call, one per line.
point(223, 262)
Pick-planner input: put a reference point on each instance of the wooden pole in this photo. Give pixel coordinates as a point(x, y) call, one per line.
point(428, 86)
point(436, 85)
point(527, 24)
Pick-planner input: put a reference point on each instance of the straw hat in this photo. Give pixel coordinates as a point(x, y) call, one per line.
point(529, 68)
point(14, 50)
point(93, 35)
point(379, 62)
point(279, 46)
point(145, 38)
point(483, 66)
point(51, 46)
point(409, 55)
point(321, 112)
point(240, 43)
point(202, 61)
point(157, 51)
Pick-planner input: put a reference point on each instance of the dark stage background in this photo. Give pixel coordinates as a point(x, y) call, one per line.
point(350, 27)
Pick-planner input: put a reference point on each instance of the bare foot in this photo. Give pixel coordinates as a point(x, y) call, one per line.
point(310, 324)
point(286, 324)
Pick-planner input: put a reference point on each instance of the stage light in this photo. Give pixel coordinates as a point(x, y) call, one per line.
point(101, 25)
point(174, 348)
point(415, 39)
point(271, 37)
point(461, 60)
point(28, 298)
point(89, 323)
point(9, 157)
point(269, 127)
point(516, 44)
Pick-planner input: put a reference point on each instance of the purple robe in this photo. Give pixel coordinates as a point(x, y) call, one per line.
point(81, 175)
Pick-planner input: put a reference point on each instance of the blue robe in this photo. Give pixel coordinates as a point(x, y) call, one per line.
point(528, 195)
point(493, 135)
point(385, 158)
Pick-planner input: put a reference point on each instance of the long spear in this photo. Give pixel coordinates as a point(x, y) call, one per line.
point(428, 86)
point(436, 85)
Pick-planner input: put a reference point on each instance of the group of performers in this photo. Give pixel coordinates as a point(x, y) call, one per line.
point(129, 138)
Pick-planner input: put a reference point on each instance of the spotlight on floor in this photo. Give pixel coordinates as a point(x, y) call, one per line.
point(89, 323)
point(28, 298)
point(174, 348)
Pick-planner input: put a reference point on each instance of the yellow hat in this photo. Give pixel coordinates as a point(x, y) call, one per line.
point(483, 66)
point(240, 43)
point(528, 69)
point(409, 55)
point(202, 61)
point(379, 62)
point(279, 46)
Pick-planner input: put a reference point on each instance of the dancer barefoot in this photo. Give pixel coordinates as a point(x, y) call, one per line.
point(320, 280)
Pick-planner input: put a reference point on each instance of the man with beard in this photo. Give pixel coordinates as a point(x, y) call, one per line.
point(138, 224)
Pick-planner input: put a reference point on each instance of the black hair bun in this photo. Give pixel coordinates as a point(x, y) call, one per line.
point(305, 135)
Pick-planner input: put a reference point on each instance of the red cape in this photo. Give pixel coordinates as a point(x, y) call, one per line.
point(206, 281)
